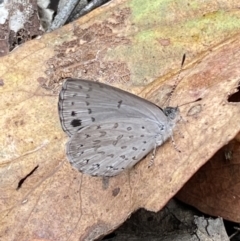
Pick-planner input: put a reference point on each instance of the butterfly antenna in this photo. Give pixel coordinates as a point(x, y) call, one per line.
point(177, 80)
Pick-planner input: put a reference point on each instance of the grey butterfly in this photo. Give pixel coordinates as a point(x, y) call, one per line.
point(110, 129)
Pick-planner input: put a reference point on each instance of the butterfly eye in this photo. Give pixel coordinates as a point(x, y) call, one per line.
point(171, 112)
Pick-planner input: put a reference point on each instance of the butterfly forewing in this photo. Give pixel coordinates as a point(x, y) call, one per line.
point(83, 103)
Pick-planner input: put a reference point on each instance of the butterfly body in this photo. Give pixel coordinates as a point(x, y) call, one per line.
point(110, 129)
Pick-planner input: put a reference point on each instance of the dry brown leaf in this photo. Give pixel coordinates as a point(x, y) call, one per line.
point(214, 188)
point(114, 45)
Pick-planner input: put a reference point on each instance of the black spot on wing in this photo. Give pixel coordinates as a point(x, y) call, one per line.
point(161, 127)
point(102, 133)
point(76, 122)
point(115, 142)
point(97, 165)
point(119, 137)
point(85, 161)
point(115, 125)
point(119, 103)
point(94, 167)
point(73, 113)
point(96, 141)
point(111, 155)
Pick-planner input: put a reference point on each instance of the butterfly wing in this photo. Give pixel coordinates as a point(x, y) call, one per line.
point(109, 148)
point(83, 103)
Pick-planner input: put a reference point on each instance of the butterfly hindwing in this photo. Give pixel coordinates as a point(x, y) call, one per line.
point(109, 148)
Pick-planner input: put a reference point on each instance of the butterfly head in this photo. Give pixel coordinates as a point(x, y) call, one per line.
point(171, 112)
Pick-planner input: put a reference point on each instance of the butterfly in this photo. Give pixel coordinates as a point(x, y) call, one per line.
point(109, 129)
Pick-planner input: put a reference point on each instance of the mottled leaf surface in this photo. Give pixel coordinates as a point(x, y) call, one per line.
point(137, 46)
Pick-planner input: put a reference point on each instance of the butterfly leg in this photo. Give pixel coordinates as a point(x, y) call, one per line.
point(153, 156)
point(174, 144)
